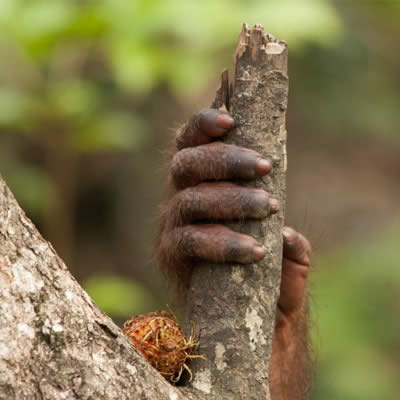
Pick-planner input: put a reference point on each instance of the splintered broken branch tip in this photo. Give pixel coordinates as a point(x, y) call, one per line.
point(257, 37)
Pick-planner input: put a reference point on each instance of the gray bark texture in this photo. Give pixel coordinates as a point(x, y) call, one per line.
point(234, 305)
point(55, 343)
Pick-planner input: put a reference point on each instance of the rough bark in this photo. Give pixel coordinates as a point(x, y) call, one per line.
point(234, 305)
point(54, 342)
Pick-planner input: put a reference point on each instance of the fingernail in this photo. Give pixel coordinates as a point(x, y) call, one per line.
point(287, 233)
point(263, 166)
point(224, 121)
point(274, 206)
point(258, 253)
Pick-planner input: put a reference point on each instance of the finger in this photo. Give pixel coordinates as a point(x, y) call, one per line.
point(293, 286)
point(215, 243)
point(217, 161)
point(202, 127)
point(296, 247)
point(221, 201)
point(295, 268)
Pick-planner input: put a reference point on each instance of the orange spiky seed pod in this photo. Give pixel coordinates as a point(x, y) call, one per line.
point(160, 339)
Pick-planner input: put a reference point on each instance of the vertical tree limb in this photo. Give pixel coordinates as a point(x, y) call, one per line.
point(235, 305)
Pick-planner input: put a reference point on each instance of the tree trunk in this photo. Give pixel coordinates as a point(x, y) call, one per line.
point(54, 342)
point(234, 305)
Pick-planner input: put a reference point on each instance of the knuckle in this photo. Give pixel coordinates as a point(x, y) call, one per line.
point(179, 166)
point(241, 162)
point(176, 168)
point(195, 120)
point(260, 198)
point(187, 203)
point(192, 131)
point(255, 202)
point(192, 165)
point(233, 251)
point(233, 157)
point(188, 130)
point(298, 246)
point(239, 248)
point(291, 238)
point(245, 201)
point(205, 115)
point(304, 249)
point(188, 240)
point(201, 120)
point(179, 137)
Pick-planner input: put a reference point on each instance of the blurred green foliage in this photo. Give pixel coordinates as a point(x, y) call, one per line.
point(136, 45)
point(82, 67)
point(77, 78)
point(145, 42)
point(118, 296)
point(357, 327)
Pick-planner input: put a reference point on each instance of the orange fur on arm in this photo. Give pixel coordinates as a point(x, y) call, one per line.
point(291, 364)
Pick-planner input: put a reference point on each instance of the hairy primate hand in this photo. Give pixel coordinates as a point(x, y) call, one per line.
point(203, 172)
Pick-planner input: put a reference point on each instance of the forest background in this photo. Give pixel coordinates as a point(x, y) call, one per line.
point(90, 92)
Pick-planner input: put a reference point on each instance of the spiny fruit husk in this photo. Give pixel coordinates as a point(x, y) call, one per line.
point(160, 339)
